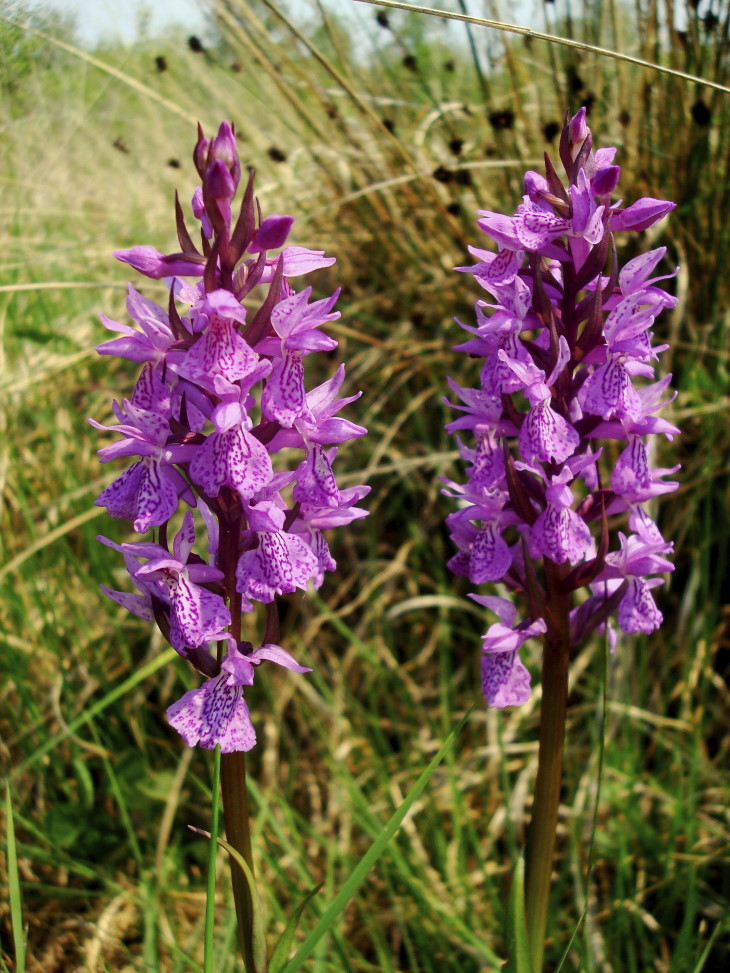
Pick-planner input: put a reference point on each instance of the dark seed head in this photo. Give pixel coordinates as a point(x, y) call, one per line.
point(575, 82)
point(442, 174)
point(502, 120)
point(701, 114)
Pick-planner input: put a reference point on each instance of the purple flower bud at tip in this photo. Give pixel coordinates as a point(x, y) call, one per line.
point(578, 128)
point(200, 152)
point(223, 149)
point(218, 181)
point(605, 180)
point(271, 234)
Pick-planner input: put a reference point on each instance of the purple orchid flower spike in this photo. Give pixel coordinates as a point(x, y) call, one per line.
point(222, 419)
point(567, 362)
point(566, 353)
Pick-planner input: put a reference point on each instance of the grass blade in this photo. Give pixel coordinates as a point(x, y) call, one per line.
point(278, 956)
point(16, 904)
point(370, 857)
point(540, 35)
point(517, 942)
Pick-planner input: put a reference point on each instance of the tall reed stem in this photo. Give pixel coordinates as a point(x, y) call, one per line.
point(543, 827)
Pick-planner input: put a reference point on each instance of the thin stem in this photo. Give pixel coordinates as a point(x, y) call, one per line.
point(238, 834)
point(233, 765)
point(543, 827)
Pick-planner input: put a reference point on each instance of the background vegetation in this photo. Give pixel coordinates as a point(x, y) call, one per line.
point(382, 135)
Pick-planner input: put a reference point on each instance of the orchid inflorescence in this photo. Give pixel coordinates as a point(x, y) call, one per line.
point(219, 419)
point(566, 337)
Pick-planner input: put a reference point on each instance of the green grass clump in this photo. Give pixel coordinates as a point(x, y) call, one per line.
point(382, 141)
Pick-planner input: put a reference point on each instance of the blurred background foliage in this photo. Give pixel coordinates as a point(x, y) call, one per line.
point(383, 133)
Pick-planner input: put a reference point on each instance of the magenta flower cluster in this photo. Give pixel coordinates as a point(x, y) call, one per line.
point(559, 463)
point(221, 420)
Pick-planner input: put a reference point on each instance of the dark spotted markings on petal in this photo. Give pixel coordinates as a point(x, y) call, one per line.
point(551, 533)
point(490, 556)
point(503, 269)
point(283, 399)
point(120, 497)
point(249, 464)
point(488, 468)
point(217, 712)
point(505, 681)
point(638, 611)
point(547, 436)
point(156, 499)
point(316, 482)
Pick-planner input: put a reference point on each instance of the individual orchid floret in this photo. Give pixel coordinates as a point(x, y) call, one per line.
point(638, 558)
point(505, 680)
point(220, 357)
point(151, 344)
point(216, 714)
point(295, 323)
point(544, 434)
point(197, 615)
point(147, 492)
point(559, 532)
point(279, 563)
point(231, 456)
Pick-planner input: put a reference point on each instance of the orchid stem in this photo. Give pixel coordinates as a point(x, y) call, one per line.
point(543, 827)
point(238, 834)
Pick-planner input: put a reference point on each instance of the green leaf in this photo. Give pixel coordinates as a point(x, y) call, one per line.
point(518, 948)
point(257, 931)
point(349, 888)
point(278, 957)
point(707, 950)
point(16, 904)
